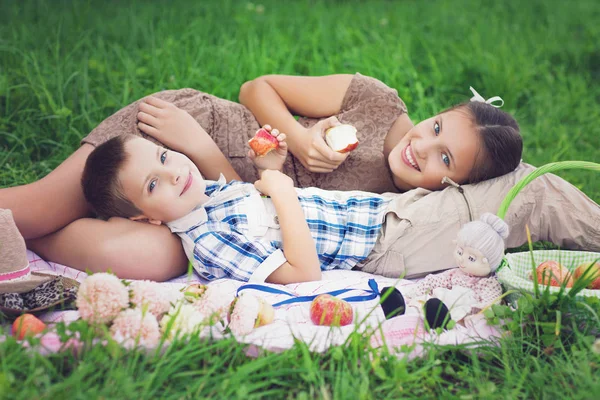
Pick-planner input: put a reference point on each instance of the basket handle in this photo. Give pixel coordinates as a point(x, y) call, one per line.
point(556, 166)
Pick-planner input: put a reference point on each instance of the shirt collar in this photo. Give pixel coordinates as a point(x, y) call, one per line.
point(198, 215)
point(214, 187)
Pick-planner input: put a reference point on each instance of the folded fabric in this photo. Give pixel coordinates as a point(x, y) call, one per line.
point(292, 322)
point(45, 295)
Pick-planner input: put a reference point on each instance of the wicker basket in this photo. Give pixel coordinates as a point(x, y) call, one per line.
point(515, 271)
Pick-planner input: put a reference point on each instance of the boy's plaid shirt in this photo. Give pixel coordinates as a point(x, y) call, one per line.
point(236, 233)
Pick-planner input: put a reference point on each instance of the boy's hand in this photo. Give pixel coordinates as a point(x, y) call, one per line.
point(272, 181)
point(274, 159)
point(168, 124)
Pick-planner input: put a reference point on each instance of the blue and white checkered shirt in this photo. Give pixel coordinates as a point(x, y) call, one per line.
point(236, 233)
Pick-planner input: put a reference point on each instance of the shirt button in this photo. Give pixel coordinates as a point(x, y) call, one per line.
point(337, 196)
point(276, 219)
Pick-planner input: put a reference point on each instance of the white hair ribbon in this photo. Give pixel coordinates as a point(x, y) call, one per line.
point(490, 101)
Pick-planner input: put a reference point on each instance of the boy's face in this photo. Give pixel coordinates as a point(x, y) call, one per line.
point(444, 145)
point(163, 184)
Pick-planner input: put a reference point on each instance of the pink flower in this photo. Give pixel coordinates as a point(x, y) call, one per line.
point(133, 327)
point(154, 295)
point(212, 302)
point(50, 343)
point(101, 297)
point(249, 312)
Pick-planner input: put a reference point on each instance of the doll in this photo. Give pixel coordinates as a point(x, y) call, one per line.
point(469, 287)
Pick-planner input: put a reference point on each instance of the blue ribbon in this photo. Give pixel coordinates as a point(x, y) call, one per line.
point(372, 293)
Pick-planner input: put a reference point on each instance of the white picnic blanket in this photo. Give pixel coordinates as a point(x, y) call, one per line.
point(292, 321)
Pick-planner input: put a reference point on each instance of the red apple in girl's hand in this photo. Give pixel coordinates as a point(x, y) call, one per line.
point(341, 138)
point(27, 324)
point(263, 142)
point(594, 273)
point(553, 274)
point(330, 311)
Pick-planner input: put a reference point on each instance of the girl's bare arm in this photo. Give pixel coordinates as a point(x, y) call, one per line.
point(275, 99)
point(278, 97)
point(180, 131)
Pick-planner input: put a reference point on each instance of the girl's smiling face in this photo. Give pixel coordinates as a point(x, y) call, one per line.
point(444, 145)
point(163, 184)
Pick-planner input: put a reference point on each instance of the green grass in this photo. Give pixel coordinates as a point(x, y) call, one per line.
point(65, 66)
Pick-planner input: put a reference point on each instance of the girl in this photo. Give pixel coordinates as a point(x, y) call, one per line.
point(418, 156)
point(471, 142)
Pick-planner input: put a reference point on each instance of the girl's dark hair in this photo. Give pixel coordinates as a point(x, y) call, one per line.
point(100, 180)
point(502, 145)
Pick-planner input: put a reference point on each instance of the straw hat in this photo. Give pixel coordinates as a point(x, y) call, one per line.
point(15, 275)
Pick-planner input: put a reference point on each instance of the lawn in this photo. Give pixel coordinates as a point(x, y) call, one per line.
point(65, 66)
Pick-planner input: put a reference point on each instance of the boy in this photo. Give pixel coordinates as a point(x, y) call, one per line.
point(228, 229)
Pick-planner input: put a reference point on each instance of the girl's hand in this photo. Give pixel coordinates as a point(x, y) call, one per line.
point(312, 151)
point(272, 182)
point(275, 158)
point(168, 124)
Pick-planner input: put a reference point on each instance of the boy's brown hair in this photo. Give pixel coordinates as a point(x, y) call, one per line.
point(100, 180)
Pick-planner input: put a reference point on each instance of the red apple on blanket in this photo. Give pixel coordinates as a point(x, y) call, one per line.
point(341, 138)
point(26, 325)
point(553, 274)
point(594, 273)
point(328, 310)
point(263, 142)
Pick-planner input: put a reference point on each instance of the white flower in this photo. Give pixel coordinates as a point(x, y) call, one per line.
point(183, 319)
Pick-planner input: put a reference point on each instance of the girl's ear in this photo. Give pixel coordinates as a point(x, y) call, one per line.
point(485, 260)
point(143, 218)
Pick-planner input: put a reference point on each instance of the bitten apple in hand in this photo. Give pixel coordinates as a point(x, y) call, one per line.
point(341, 138)
point(328, 310)
point(263, 142)
point(262, 145)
